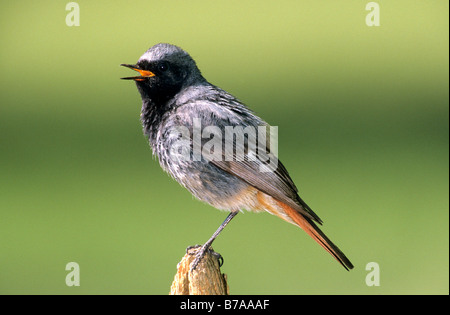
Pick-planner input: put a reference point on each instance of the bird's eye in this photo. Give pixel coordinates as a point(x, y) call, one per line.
point(163, 67)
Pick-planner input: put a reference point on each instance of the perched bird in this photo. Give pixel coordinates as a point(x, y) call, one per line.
point(177, 101)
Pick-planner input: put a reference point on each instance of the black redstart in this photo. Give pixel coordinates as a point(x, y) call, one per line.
point(180, 112)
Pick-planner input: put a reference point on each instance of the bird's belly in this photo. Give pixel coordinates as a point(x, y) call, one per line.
point(213, 185)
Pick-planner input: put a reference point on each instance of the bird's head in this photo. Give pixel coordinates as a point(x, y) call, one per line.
point(164, 70)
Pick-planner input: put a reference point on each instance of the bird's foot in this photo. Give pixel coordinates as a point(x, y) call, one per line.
point(191, 247)
point(201, 253)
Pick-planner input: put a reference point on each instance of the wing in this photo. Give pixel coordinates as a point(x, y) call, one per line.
point(223, 112)
point(277, 183)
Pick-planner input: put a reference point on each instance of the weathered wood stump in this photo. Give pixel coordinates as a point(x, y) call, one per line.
point(206, 279)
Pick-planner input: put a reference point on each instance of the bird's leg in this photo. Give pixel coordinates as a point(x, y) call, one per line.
point(207, 245)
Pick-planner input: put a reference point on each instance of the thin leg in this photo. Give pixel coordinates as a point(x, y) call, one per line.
point(206, 246)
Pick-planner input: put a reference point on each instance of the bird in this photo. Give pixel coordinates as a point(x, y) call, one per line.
point(177, 101)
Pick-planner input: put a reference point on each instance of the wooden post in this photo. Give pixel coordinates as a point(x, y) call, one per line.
point(206, 279)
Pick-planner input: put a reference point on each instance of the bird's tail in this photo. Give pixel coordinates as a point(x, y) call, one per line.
point(313, 230)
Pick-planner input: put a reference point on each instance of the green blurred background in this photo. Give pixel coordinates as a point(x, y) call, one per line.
point(363, 130)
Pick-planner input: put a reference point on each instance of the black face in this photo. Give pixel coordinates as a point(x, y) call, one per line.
point(159, 80)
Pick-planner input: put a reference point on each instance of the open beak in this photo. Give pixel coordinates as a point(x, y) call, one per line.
point(144, 74)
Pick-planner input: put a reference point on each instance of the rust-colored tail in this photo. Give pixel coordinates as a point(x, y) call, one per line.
point(313, 230)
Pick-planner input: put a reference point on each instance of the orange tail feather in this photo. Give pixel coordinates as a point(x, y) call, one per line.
point(313, 230)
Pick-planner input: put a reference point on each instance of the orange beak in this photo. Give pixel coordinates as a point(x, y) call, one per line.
point(144, 74)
